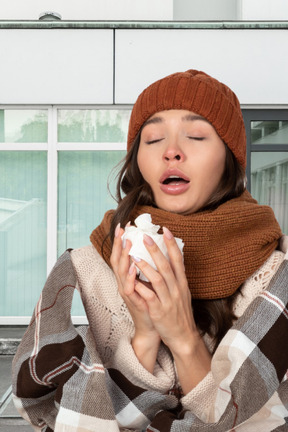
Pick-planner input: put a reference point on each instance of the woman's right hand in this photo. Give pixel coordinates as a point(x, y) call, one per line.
point(146, 340)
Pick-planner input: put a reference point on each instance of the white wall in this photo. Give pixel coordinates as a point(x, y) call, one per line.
point(88, 9)
point(56, 66)
point(252, 62)
point(81, 66)
point(264, 10)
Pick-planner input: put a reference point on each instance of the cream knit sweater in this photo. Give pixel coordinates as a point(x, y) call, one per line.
point(112, 325)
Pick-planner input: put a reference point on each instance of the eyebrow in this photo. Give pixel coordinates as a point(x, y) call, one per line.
point(193, 117)
point(153, 120)
point(187, 117)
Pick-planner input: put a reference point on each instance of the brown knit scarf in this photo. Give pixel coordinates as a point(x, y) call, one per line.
point(222, 247)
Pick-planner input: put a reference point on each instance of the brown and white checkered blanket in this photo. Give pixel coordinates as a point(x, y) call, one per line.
point(60, 384)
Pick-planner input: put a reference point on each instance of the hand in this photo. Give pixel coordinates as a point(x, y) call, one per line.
point(170, 310)
point(146, 340)
point(169, 302)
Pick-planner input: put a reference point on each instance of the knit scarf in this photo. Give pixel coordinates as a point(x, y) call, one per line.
point(222, 247)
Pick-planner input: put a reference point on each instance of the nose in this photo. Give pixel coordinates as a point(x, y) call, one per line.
point(173, 153)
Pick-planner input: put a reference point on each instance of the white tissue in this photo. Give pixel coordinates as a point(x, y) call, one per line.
point(135, 234)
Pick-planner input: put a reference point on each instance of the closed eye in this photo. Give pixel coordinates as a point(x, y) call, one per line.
point(196, 138)
point(154, 141)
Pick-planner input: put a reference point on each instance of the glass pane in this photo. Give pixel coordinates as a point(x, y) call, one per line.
point(23, 126)
point(93, 125)
point(269, 132)
point(269, 183)
point(83, 197)
point(23, 202)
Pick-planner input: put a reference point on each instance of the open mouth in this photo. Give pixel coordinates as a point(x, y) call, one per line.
point(174, 179)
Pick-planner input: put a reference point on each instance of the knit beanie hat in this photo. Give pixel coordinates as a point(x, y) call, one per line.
point(197, 92)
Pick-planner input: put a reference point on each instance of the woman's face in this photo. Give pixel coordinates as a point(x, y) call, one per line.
point(182, 158)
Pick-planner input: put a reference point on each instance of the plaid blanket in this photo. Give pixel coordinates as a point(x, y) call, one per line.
point(60, 383)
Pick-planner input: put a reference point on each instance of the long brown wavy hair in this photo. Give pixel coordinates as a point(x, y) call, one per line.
point(213, 317)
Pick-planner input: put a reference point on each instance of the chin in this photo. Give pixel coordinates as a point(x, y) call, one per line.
point(178, 204)
point(178, 209)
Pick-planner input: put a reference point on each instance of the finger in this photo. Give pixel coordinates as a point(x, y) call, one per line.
point(130, 295)
point(154, 304)
point(130, 281)
point(124, 260)
point(119, 260)
point(125, 279)
point(175, 256)
point(156, 280)
point(146, 293)
point(116, 247)
point(163, 265)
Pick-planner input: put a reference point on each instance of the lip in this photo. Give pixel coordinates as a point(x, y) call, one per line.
point(174, 189)
point(175, 172)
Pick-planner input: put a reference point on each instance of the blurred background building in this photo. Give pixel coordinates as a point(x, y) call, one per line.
point(70, 73)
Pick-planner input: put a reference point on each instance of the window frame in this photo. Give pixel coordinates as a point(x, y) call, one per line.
point(263, 114)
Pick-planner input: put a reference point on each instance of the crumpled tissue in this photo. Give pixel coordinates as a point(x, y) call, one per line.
point(135, 234)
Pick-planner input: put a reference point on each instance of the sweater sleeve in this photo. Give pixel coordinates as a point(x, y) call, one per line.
point(125, 360)
point(201, 398)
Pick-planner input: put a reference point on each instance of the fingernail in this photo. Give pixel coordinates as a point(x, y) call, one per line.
point(131, 268)
point(167, 233)
point(128, 224)
point(117, 230)
point(136, 258)
point(148, 240)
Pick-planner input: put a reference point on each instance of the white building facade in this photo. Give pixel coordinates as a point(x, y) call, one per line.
point(66, 90)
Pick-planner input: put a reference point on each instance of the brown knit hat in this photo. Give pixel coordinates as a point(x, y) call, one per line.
point(198, 92)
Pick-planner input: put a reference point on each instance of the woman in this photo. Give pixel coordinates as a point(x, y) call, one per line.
point(199, 347)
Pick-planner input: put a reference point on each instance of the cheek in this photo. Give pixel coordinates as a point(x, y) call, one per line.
point(147, 157)
point(217, 167)
point(217, 163)
point(221, 161)
point(210, 168)
point(217, 156)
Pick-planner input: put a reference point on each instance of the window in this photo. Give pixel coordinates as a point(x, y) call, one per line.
point(23, 208)
point(55, 164)
point(267, 164)
point(83, 173)
point(23, 229)
point(23, 126)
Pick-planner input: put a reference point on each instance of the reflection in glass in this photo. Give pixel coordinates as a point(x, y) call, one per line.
point(23, 126)
point(83, 197)
point(269, 183)
point(23, 203)
point(269, 132)
point(93, 125)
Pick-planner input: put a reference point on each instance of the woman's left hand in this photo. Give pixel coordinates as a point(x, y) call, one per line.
point(169, 302)
point(170, 309)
